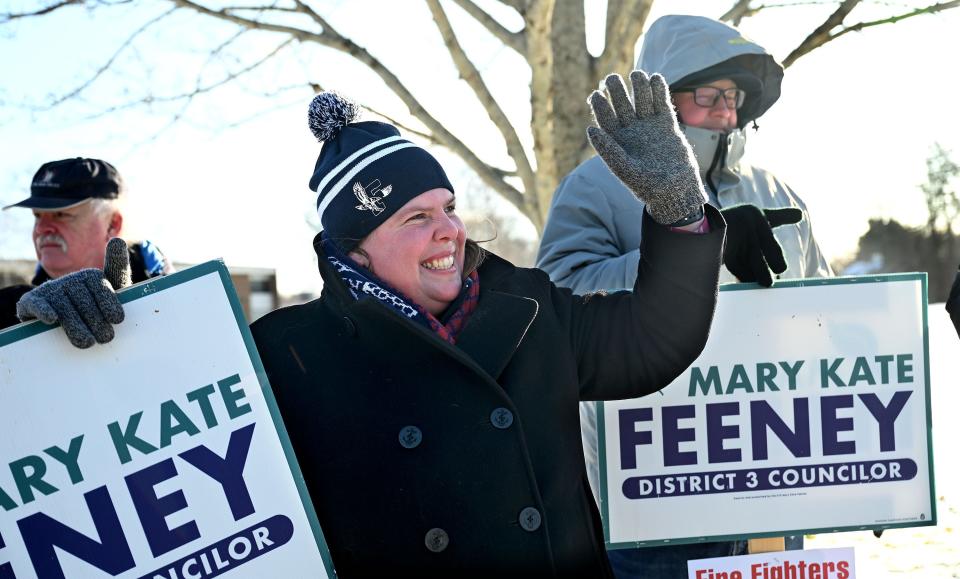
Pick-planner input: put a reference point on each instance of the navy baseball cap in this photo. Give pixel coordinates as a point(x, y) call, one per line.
point(69, 182)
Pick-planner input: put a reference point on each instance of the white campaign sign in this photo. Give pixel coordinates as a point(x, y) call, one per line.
point(158, 456)
point(807, 411)
point(811, 564)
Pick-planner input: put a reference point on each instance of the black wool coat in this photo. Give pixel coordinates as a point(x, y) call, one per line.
point(425, 459)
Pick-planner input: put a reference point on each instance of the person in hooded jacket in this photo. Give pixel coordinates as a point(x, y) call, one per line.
point(720, 82)
point(431, 392)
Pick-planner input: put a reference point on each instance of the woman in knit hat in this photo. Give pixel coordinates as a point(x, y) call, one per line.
point(431, 392)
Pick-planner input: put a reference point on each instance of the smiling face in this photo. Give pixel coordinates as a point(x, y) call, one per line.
point(419, 250)
point(719, 117)
point(71, 239)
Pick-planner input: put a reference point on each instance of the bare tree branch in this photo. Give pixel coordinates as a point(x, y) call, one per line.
point(428, 137)
point(552, 42)
point(188, 97)
point(317, 89)
point(327, 37)
point(277, 91)
point(263, 112)
point(407, 128)
point(470, 74)
point(223, 46)
point(106, 66)
point(176, 118)
point(237, 74)
point(740, 10)
point(313, 14)
point(330, 38)
point(932, 9)
point(7, 17)
point(823, 34)
point(623, 29)
point(271, 8)
point(518, 5)
point(514, 40)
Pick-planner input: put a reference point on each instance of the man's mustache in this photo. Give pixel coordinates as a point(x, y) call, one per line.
point(52, 238)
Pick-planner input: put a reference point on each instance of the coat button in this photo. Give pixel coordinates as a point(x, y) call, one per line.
point(349, 326)
point(501, 418)
point(410, 437)
point(530, 519)
point(437, 540)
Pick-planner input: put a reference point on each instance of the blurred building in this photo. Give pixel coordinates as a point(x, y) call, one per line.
point(256, 289)
point(16, 271)
point(256, 286)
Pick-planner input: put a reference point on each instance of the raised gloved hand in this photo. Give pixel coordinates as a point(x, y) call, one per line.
point(83, 302)
point(751, 250)
point(642, 145)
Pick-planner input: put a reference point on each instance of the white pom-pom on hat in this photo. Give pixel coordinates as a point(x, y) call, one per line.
point(328, 113)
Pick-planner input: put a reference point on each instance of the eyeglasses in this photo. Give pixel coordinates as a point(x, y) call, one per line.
point(706, 96)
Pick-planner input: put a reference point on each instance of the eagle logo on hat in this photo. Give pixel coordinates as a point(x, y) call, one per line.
point(370, 201)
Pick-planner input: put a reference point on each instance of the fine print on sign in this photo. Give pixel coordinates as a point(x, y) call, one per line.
point(157, 456)
point(807, 411)
point(810, 564)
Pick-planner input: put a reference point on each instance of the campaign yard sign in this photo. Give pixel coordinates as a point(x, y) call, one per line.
point(808, 411)
point(809, 564)
point(160, 455)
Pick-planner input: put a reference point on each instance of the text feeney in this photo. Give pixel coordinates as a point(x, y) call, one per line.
point(45, 538)
point(798, 412)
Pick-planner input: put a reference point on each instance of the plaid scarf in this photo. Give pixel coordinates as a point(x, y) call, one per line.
point(361, 281)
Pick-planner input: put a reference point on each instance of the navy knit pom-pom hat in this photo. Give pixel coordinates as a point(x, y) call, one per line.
point(365, 172)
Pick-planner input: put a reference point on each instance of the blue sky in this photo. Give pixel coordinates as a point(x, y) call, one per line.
point(850, 134)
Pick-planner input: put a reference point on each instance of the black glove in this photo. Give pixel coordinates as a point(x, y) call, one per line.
point(83, 302)
point(750, 250)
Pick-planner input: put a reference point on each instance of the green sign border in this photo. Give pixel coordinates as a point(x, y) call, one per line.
point(150, 287)
point(809, 282)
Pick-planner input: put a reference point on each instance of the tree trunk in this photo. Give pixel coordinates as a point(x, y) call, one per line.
point(560, 83)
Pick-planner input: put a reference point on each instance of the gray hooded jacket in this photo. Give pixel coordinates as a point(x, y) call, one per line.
point(592, 236)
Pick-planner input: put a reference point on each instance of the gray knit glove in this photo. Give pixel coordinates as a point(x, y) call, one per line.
point(83, 302)
point(642, 145)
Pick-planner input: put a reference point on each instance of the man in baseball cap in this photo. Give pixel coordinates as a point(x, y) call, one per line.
point(76, 208)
